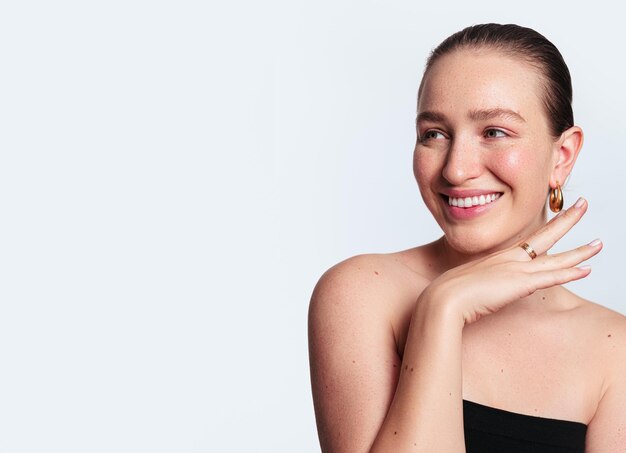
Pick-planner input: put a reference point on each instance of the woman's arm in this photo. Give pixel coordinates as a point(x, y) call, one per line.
point(352, 352)
point(427, 411)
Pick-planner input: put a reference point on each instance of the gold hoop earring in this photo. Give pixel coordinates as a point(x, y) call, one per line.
point(556, 198)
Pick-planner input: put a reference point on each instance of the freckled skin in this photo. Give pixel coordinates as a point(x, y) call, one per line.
point(519, 164)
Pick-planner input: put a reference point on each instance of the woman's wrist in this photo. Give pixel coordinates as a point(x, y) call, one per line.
point(435, 303)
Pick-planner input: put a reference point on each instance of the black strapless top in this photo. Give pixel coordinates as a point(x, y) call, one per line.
point(491, 430)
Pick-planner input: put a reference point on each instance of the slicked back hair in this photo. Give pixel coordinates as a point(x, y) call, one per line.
point(528, 45)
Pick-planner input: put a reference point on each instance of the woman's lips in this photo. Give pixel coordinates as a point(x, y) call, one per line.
point(468, 206)
point(468, 202)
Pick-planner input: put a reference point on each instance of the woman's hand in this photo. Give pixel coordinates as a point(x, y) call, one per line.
point(486, 285)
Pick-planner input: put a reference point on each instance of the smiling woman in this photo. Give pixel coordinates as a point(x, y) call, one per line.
point(511, 156)
point(470, 343)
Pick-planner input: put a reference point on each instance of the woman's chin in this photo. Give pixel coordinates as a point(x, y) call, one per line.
point(476, 244)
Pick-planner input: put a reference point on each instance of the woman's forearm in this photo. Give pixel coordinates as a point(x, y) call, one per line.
point(426, 413)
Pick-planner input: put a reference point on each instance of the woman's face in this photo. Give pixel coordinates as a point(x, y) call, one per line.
point(484, 153)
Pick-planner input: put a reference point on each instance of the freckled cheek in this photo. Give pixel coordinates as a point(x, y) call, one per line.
point(426, 168)
point(512, 161)
point(516, 165)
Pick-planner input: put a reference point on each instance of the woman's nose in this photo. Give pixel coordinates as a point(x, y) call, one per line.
point(463, 162)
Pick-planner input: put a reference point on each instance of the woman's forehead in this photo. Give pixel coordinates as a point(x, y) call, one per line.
point(486, 80)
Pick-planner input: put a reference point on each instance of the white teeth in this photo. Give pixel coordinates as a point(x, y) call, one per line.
point(468, 202)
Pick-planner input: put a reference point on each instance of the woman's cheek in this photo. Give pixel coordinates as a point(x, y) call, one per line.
point(513, 159)
point(424, 167)
point(514, 162)
point(525, 170)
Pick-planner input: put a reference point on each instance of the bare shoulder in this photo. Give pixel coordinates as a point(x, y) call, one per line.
point(377, 290)
point(611, 328)
point(380, 286)
point(604, 322)
point(371, 274)
point(607, 429)
point(604, 331)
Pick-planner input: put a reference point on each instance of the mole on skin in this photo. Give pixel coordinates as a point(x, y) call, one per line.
point(376, 272)
point(609, 335)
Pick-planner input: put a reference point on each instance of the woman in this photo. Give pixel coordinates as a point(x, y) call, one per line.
point(470, 343)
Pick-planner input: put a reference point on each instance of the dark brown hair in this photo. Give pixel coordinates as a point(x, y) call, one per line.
point(533, 48)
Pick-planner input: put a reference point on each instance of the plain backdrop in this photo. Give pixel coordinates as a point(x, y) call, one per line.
point(176, 176)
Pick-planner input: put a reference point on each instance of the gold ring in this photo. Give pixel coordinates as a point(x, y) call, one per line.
point(528, 249)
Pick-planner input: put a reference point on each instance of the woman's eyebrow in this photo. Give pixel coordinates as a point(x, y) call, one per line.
point(498, 112)
point(476, 115)
point(433, 117)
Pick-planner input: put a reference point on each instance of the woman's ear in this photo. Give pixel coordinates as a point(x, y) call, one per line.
point(566, 150)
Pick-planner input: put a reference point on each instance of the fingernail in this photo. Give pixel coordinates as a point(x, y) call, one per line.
point(595, 242)
point(580, 202)
point(584, 267)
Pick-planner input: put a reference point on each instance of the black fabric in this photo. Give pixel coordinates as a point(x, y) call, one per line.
point(491, 430)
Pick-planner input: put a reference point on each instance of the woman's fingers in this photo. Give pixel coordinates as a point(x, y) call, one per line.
point(567, 259)
point(553, 231)
point(551, 270)
point(548, 279)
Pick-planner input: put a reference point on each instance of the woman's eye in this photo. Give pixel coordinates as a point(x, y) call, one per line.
point(493, 133)
point(431, 134)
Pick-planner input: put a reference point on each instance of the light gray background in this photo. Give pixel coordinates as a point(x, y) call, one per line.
point(175, 177)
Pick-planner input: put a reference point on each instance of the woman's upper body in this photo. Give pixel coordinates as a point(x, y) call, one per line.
point(552, 355)
point(399, 340)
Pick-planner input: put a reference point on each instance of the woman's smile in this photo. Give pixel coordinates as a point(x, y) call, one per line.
point(484, 153)
point(467, 205)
